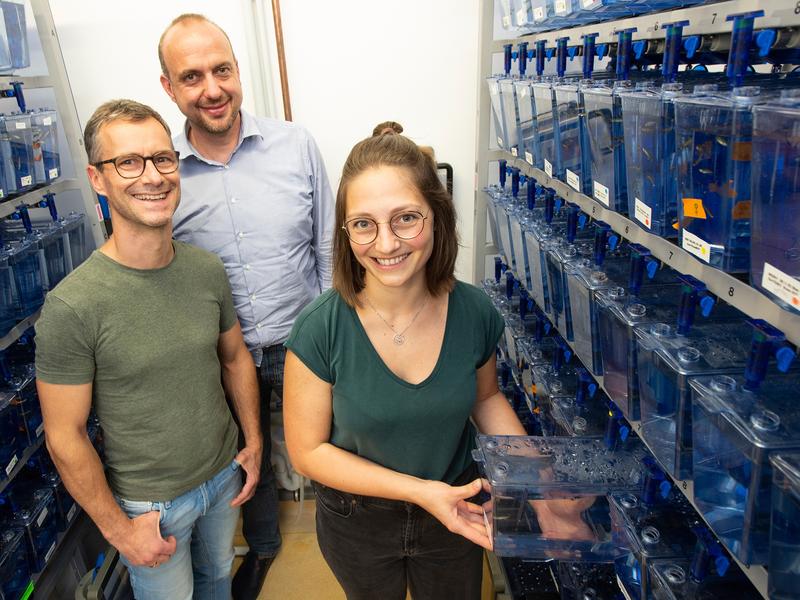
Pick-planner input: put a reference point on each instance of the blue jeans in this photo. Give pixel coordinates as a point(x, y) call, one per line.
point(260, 513)
point(203, 523)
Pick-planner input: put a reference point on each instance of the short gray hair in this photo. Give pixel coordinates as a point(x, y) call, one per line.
point(116, 110)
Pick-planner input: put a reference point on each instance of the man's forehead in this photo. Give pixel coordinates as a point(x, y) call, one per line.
point(122, 131)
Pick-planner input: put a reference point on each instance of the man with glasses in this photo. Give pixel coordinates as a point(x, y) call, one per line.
point(145, 332)
point(255, 192)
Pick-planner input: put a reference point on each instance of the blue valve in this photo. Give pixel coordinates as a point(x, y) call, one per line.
point(768, 341)
point(582, 220)
point(764, 41)
point(603, 237)
point(707, 551)
point(691, 45)
point(624, 42)
point(530, 193)
point(563, 355)
point(588, 54)
point(639, 48)
point(22, 214)
point(602, 50)
point(541, 51)
point(672, 50)
point(550, 53)
point(507, 59)
point(693, 292)
point(741, 38)
point(498, 268)
point(514, 181)
point(523, 58)
point(561, 56)
point(522, 179)
point(49, 202)
point(531, 53)
point(641, 262)
point(503, 165)
point(510, 284)
point(15, 92)
point(572, 52)
point(559, 202)
point(656, 484)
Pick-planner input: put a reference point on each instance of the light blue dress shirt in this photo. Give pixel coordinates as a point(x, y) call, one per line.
point(268, 214)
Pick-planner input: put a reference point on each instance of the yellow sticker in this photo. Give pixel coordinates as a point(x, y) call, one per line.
point(533, 389)
point(693, 207)
point(742, 209)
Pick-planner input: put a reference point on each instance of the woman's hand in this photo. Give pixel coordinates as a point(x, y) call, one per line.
point(449, 505)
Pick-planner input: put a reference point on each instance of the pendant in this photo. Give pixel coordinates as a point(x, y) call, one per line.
point(398, 339)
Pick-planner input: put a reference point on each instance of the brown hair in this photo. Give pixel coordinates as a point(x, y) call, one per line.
point(180, 19)
point(116, 110)
point(387, 148)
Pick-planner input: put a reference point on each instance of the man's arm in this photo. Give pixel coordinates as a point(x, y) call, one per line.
point(65, 409)
point(323, 216)
point(241, 386)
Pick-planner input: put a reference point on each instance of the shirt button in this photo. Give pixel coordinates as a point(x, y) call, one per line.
point(224, 166)
point(252, 296)
point(240, 234)
point(233, 200)
point(258, 325)
point(247, 267)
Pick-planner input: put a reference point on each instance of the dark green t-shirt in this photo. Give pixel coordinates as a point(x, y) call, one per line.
point(419, 429)
point(147, 341)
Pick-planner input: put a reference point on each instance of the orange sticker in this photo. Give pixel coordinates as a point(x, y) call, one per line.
point(693, 207)
point(742, 210)
point(742, 151)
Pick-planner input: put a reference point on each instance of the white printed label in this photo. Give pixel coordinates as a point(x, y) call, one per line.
point(529, 158)
point(499, 141)
point(11, 464)
point(53, 173)
point(42, 517)
point(99, 212)
point(785, 287)
point(40, 430)
point(573, 181)
point(601, 193)
point(50, 552)
point(514, 151)
point(548, 168)
point(538, 13)
point(21, 125)
point(506, 22)
point(561, 6)
point(27, 180)
point(643, 213)
point(47, 121)
point(696, 245)
point(71, 512)
point(522, 16)
point(587, 3)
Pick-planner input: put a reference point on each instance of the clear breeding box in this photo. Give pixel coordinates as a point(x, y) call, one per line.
point(784, 543)
point(734, 432)
point(571, 136)
point(775, 245)
point(23, 292)
point(547, 126)
point(14, 571)
point(679, 579)
point(17, 32)
point(11, 442)
point(549, 494)
point(72, 226)
point(588, 581)
point(559, 252)
point(16, 150)
point(666, 361)
point(37, 519)
point(498, 114)
point(47, 160)
point(528, 133)
point(508, 96)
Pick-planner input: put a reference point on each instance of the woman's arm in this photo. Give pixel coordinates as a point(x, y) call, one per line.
point(307, 410)
point(493, 414)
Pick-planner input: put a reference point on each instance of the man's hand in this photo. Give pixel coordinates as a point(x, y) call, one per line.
point(249, 458)
point(142, 544)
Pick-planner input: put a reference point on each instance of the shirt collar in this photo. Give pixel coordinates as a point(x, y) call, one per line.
point(249, 128)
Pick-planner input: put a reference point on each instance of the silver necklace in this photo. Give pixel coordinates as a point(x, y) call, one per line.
point(399, 338)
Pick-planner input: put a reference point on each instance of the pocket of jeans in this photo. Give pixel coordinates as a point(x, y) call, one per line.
point(334, 501)
point(136, 508)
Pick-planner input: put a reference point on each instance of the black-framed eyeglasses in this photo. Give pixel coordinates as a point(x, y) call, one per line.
point(405, 225)
point(131, 166)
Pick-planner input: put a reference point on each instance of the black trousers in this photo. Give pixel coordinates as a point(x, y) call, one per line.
point(378, 548)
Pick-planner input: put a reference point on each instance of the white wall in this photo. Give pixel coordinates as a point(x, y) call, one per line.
point(351, 64)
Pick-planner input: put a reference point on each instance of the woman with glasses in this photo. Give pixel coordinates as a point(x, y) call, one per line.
point(382, 376)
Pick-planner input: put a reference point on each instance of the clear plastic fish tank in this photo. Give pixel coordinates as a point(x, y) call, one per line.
point(559, 252)
point(37, 518)
point(577, 417)
point(49, 241)
point(775, 242)
point(734, 431)
point(16, 151)
point(784, 548)
point(666, 362)
point(571, 135)
point(508, 96)
point(648, 115)
point(547, 126)
point(14, 571)
point(493, 212)
point(714, 144)
point(606, 148)
point(17, 32)
point(498, 114)
point(535, 237)
point(549, 494)
point(66, 507)
point(673, 579)
point(658, 529)
point(528, 133)
point(11, 441)
point(76, 250)
point(519, 221)
point(22, 383)
point(21, 280)
point(588, 581)
point(47, 160)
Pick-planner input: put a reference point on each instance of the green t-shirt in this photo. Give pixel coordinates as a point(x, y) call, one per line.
point(147, 341)
point(419, 429)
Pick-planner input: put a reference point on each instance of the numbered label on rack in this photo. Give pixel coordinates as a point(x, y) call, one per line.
point(548, 168)
point(506, 22)
point(784, 286)
point(27, 180)
point(522, 16)
point(601, 192)
point(573, 181)
point(499, 141)
point(561, 7)
point(529, 158)
point(643, 213)
point(696, 245)
point(53, 173)
point(538, 13)
point(514, 151)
